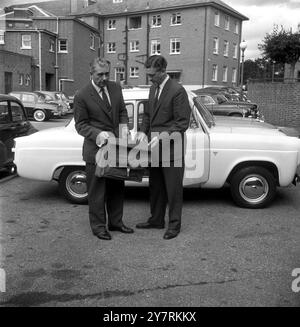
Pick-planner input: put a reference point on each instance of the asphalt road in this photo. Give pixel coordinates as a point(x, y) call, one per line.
point(224, 256)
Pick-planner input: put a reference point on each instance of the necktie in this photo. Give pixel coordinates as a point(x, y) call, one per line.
point(156, 96)
point(105, 98)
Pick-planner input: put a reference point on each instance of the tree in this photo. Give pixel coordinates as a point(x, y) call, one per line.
point(282, 47)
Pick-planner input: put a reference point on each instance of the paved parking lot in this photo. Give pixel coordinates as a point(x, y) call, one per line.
point(224, 256)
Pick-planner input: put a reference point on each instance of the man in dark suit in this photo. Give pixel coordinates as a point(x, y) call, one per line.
point(168, 112)
point(99, 109)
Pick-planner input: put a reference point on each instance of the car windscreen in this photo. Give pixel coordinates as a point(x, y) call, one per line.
point(204, 112)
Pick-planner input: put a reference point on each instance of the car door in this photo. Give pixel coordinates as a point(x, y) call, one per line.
point(197, 154)
point(29, 101)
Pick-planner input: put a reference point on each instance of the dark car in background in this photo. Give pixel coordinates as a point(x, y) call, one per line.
point(56, 96)
point(13, 123)
point(218, 104)
point(231, 93)
point(38, 106)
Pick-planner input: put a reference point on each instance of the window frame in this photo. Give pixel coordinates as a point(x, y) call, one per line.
point(234, 75)
point(217, 18)
point(225, 74)
point(23, 42)
point(172, 41)
point(214, 77)
point(111, 47)
point(111, 24)
point(2, 37)
point(135, 28)
point(60, 45)
point(174, 19)
point(134, 46)
point(134, 72)
point(92, 41)
point(226, 48)
point(157, 21)
point(227, 23)
point(154, 45)
point(216, 45)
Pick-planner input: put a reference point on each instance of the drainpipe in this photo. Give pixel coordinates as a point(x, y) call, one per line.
point(204, 49)
point(56, 56)
point(40, 59)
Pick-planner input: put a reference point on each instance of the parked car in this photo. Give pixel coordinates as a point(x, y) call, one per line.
point(251, 156)
point(69, 100)
point(218, 104)
point(13, 123)
point(38, 106)
point(56, 97)
point(231, 93)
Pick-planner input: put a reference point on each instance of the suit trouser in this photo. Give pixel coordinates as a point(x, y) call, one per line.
point(165, 185)
point(106, 199)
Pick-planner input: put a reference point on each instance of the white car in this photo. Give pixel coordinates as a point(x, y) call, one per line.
point(251, 156)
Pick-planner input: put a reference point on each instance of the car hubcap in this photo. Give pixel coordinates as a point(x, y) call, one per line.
point(76, 184)
point(39, 115)
point(254, 188)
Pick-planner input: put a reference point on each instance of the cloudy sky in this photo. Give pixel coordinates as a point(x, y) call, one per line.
point(262, 14)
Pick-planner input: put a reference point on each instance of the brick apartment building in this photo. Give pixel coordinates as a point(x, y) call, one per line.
point(199, 38)
point(60, 50)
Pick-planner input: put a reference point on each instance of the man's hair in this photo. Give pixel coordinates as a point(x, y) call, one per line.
point(158, 62)
point(99, 61)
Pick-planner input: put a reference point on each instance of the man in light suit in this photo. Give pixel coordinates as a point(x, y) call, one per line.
point(168, 111)
point(99, 108)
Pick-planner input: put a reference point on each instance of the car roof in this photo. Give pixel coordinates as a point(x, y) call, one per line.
point(4, 97)
point(135, 93)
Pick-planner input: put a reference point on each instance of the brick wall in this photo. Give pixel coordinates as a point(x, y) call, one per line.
point(279, 102)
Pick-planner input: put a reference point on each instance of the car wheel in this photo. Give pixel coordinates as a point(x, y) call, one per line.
point(39, 115)
point(72, 184)
point(253, 187)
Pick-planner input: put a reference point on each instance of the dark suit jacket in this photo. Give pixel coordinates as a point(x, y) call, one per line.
point(172, 113)
point(92, 117)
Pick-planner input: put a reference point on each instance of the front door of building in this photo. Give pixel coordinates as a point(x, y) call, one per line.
point(50, 82)
point(8, 86)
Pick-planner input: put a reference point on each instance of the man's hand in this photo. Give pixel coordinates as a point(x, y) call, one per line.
point(140, 137)
point(102, 138)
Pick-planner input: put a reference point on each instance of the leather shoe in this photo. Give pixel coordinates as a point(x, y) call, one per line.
point(104, 235)
point(170, 234)
point(148, 226)
point(123, 229)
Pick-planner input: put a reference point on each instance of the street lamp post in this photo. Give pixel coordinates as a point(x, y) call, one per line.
point(243, 46)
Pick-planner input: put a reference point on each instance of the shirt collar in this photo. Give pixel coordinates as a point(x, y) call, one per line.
point(164, 82)
point(97, 88)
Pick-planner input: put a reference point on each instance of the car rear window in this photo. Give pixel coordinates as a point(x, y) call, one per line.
point(4, 113)
point(17, 112)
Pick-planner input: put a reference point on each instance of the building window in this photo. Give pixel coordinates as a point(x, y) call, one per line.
point(217, 18)
point(156, 21)
point(135, 22)
point(51, 45)
point(214, 73)
point(21, 79)
point(216, 45)
point(27, 79)
point(62, 46)
point(155, 47)
point(111, 25)
point(120, 74)
point(111, 47)
point(26, 41)
point(236, 27)
point(235, 51)
point(92, 40)
point(134, 46)
point(2, 37)
point(175, 46)
point(226, 48)
point(225, 73)
point(176, 19)
point(226, 23)
point(117, 1)
point(234, 74)
point(134, 72)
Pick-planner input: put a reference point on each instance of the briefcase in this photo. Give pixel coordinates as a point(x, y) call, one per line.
point(122, 161)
